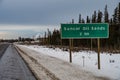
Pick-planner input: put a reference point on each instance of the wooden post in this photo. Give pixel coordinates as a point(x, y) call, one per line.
point(61, 43)
point(70, 43)
point(98, 41)
point(91, 44)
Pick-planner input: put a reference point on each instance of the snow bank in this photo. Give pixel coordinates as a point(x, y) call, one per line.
point(110, 63)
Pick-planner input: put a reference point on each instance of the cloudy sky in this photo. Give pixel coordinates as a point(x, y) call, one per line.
point(26, 18)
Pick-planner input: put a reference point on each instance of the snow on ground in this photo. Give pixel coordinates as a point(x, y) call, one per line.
point(110, 63)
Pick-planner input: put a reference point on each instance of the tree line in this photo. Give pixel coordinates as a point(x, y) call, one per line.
point(113, 42)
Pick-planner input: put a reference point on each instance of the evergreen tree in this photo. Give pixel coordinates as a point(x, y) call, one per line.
point(45, 38)
point(115, 16)
point(118, 13)
point(106, 15)
point(80, 18)
point(56, 37)
point(72, 20)
point(94, 17)
point(49, 36)
point(83, 21)
point(111, 20)
point(87, 19)
point(99, 18)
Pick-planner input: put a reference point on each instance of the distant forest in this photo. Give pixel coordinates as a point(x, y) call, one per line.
point(111, 43)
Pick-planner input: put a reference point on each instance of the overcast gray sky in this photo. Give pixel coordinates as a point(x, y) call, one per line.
point(15, 15)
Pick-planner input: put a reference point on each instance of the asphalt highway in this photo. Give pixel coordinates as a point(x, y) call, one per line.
point(12, 66)
point(3, 47)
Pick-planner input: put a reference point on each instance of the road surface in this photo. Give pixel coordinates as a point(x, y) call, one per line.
point(12, 67)
point(3, 47)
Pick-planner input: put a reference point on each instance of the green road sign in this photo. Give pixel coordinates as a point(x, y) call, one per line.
point(93, 30)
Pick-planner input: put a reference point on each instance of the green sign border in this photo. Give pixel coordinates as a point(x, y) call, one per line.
point(85, 37)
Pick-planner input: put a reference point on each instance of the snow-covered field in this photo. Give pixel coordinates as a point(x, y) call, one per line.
point(87, 60)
